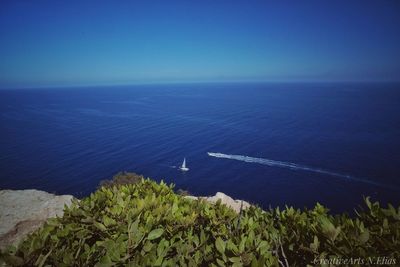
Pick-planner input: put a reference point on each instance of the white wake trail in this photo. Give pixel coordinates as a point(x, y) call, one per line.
point(292, 166)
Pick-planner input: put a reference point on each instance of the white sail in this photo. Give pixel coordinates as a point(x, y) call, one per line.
point(183, 167)
point(184, 163)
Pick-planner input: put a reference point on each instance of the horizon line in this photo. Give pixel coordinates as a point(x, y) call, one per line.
point(166, 82)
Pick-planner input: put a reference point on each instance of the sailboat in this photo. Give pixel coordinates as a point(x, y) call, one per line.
point(183, 167)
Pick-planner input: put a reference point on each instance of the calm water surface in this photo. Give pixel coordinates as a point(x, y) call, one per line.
point(278, 144)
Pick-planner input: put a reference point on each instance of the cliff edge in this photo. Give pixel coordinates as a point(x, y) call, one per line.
point(24, 211)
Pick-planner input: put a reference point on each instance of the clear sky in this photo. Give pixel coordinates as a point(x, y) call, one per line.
point(46, 43)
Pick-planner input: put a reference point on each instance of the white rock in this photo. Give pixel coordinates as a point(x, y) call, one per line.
point(226, 200)
point(23, 211)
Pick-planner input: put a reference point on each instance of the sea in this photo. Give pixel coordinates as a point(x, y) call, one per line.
point(271, 144)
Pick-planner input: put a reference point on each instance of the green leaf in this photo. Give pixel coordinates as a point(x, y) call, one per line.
point(251, 237)
point(242, 244)
point(364, 237)
point(68, 258)
point(234, 259)
point(156, 233)
point(263, 247)
point(108, 221)
point(174, 207)
point(231, 246)
point(368, 202)
point(328, 228)
point(385, 224)
point(314, 246)
point(100, 226)
point(159, 261)
point(221, 262)
point(105, 261)
point(147, 246)
point(254, 262)
point(220, 245)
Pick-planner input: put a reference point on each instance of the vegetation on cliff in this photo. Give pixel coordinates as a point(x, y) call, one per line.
point(147, 224)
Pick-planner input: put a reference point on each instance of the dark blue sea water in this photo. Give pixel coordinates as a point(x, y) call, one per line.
point(306, 143)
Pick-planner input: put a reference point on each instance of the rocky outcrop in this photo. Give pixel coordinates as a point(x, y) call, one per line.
point(226, 200)
point(24, 211)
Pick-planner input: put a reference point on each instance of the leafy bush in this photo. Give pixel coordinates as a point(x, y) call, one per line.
point(147, 224)
point(122, 178)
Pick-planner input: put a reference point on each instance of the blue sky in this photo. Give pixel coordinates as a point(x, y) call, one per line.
point(63, 43)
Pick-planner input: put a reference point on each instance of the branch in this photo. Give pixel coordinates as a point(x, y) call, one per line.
point(283, 253)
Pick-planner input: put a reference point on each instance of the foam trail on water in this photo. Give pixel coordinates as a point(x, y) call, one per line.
point(169, 166)
point(293, 166)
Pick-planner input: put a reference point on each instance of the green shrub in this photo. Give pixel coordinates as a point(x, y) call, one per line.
point(121, 178)
point(147, 224)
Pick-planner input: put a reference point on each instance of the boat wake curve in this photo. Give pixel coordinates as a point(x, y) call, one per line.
point(294, 166)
